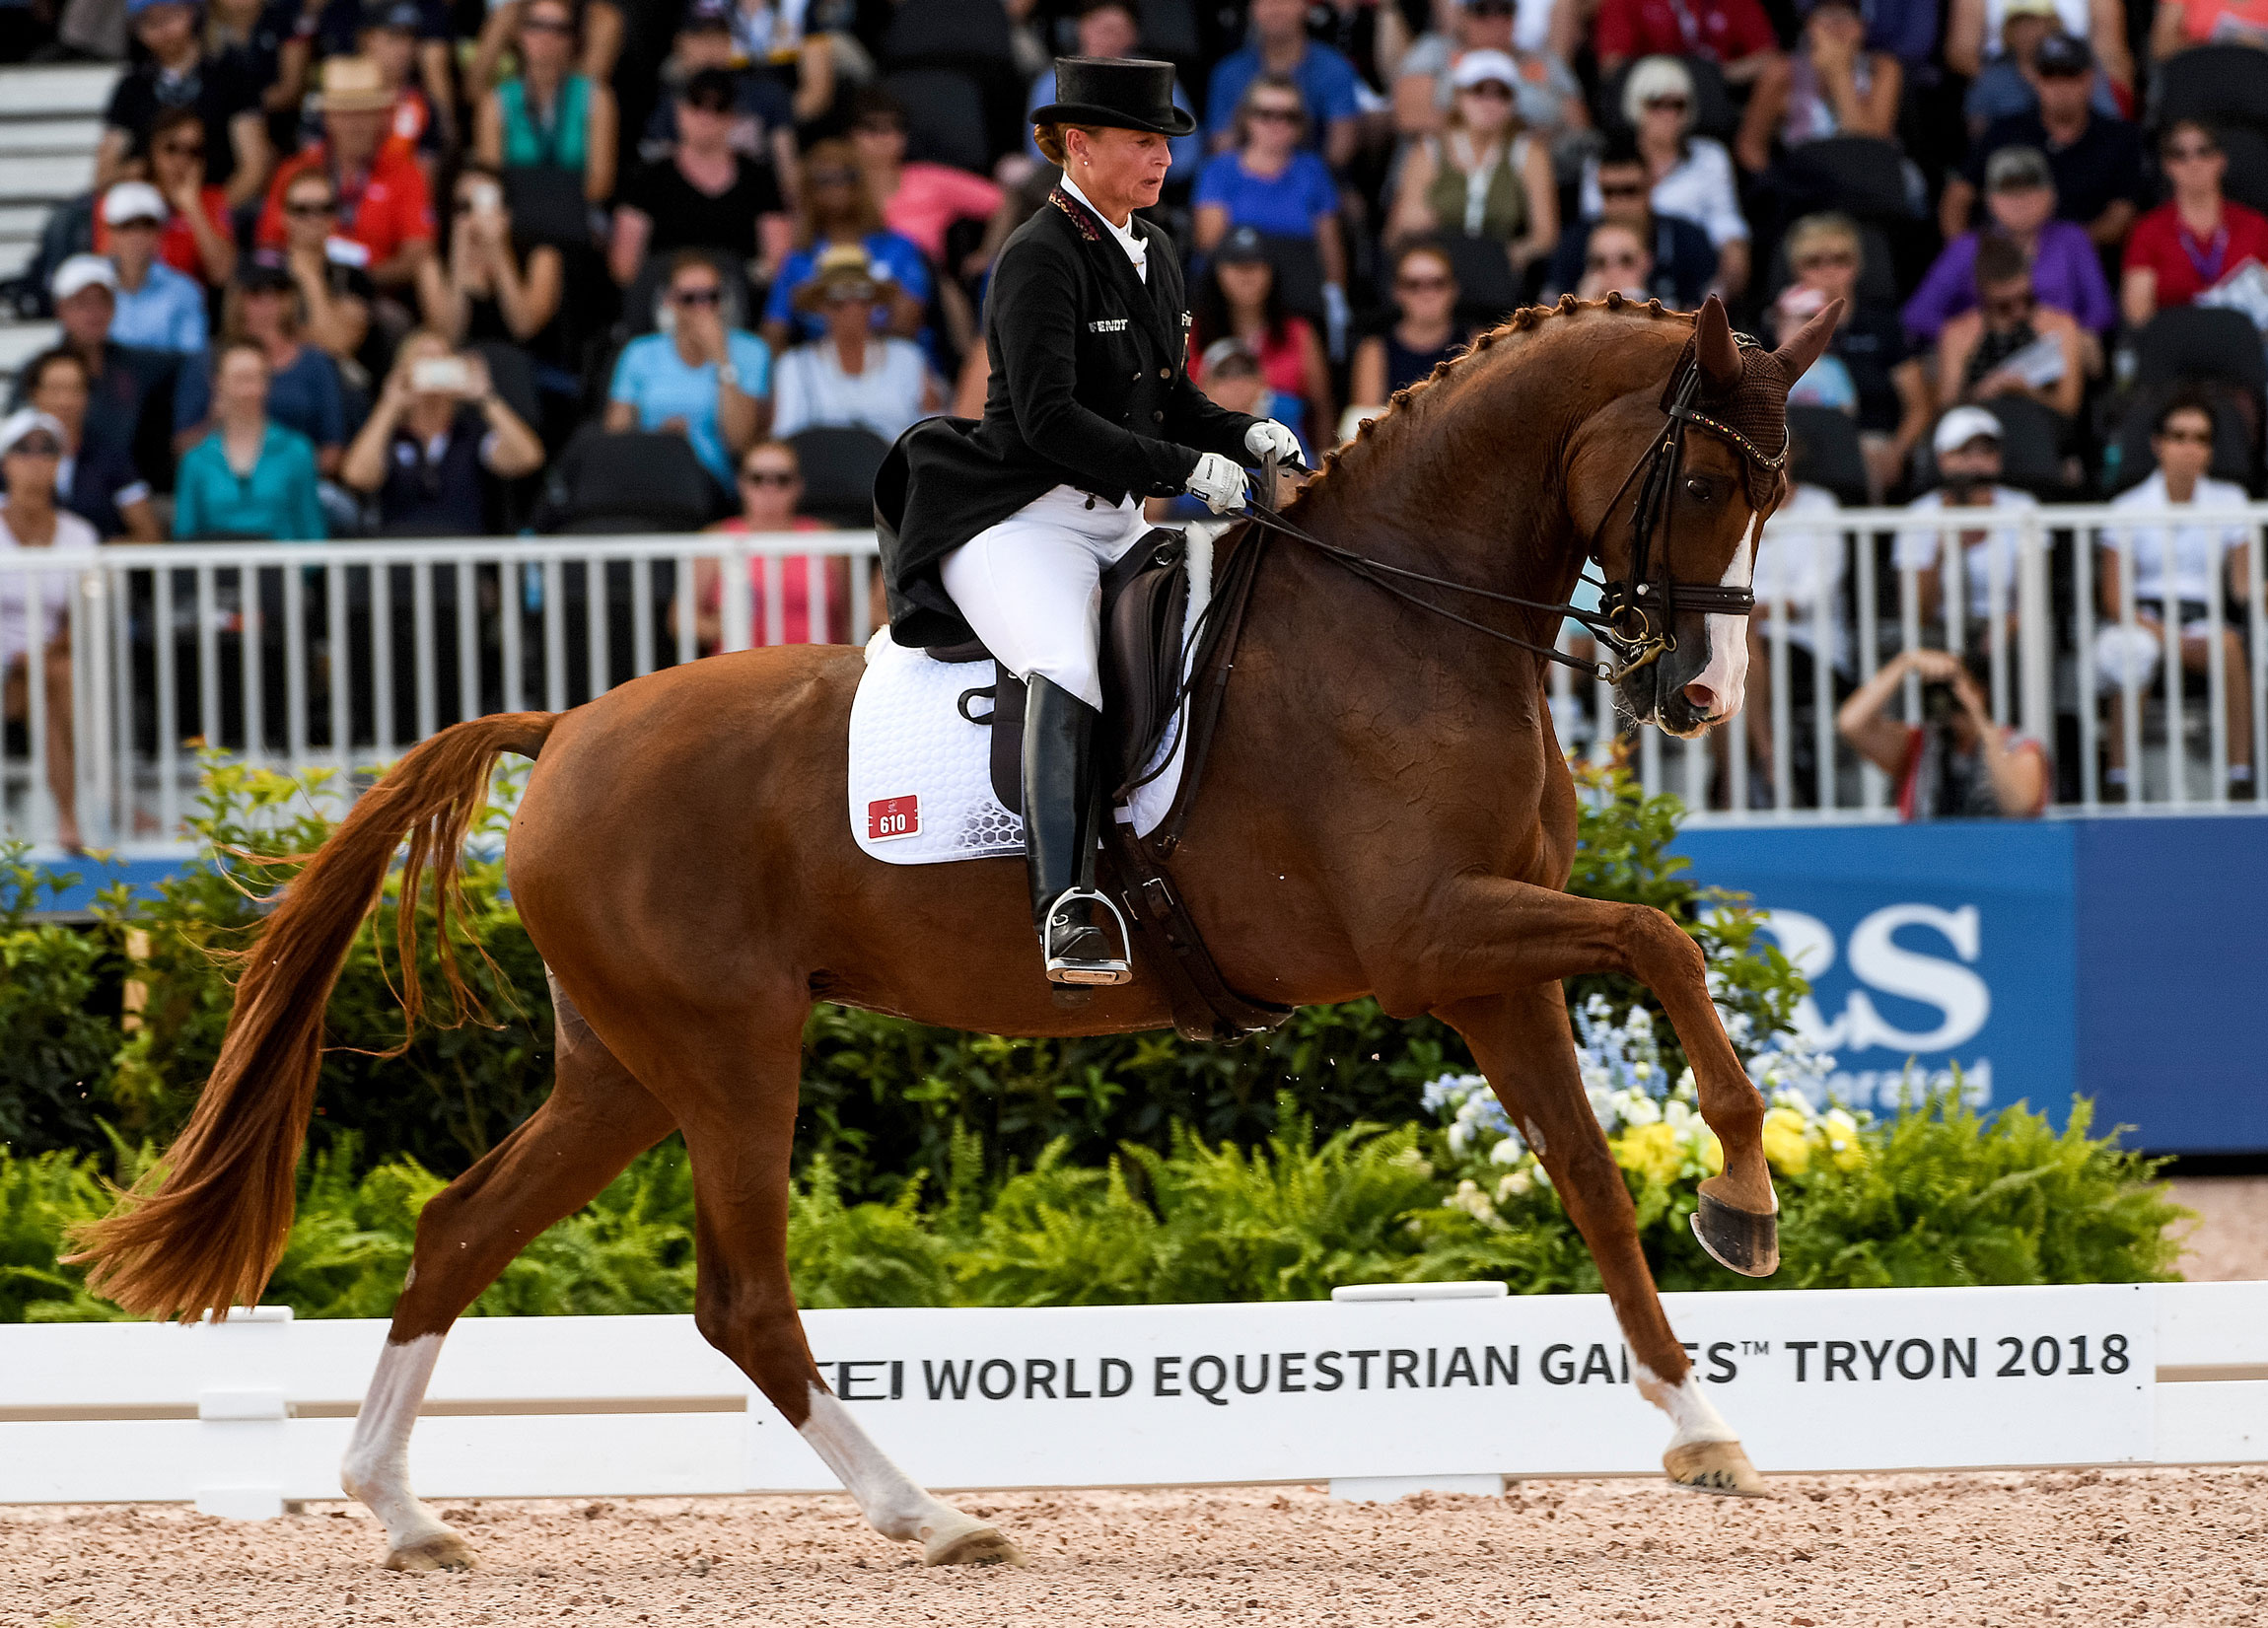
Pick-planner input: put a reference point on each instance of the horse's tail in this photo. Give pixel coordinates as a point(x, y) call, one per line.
point(204, 1228)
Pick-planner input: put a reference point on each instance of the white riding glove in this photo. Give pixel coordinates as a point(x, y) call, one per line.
point(1267, 437)
point(1219, 480)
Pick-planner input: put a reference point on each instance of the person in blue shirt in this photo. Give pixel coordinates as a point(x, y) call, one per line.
point(836, 210)
point(159, 309)
point(1271, 183)
point(1279, 44)
point(1106, 29)
point(700, 377)
point(250, 478)
point(305, 394)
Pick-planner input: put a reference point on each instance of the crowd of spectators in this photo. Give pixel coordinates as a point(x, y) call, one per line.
point(372, 266)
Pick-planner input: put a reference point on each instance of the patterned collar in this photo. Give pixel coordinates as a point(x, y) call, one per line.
point(1136, 249)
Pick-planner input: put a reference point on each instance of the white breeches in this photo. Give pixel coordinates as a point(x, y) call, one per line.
point(1032, 586)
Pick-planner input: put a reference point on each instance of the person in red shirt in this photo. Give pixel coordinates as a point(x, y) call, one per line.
point(1736, 34)
point(2194, 240)
point(198, 239)
point(771, 485)
point(380, 196)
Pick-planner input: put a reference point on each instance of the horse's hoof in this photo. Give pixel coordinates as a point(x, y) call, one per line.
point(1740, 1241)
point(1715, 1466)
point(975, 1546)
point(443, 1552)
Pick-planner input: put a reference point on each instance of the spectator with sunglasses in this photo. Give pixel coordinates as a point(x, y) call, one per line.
point(1868, 369)
point(704, 195)
point(1271, 183)
point(335, 293)
point(1736, 34)
point(379, 197)
point(180, 71)
point(700, 377)
point(1549, 95)
point(1683, 258)
point(1425, 332)
point(1484, 176)
point(771, 487)
point(2174, 567)
point(198, 238)
point(1991, 350)
point(851, 376)
point(1685, 174)
point(2197, 237)
point(839, 211)
point(1279, 44)
point(549, 117)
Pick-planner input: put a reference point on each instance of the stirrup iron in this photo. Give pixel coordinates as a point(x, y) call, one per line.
point(1069, 961)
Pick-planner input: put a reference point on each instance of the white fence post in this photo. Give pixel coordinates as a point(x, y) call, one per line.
point(241, 1439)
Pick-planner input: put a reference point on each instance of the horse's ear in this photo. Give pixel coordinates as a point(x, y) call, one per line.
point(1714, 347)
point(1809, 341)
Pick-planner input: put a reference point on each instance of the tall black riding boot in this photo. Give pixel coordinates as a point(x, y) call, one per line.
point(1062, 802)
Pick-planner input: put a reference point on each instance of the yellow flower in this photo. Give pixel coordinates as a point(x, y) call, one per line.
point(1786, 1141)
point(1712, 1154)
point(1653, 1151)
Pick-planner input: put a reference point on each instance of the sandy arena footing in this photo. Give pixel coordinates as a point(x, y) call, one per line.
point(1895, 1551)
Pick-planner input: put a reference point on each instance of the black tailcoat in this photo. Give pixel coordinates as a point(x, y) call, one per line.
point(1090, 388)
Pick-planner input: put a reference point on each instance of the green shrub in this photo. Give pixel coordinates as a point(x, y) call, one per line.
point(56, 1038)
point(1939, 1197)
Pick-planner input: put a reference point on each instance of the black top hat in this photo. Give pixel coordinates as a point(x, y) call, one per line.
point(1120, 93)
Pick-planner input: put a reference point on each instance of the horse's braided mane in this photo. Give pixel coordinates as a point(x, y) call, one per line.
point(1398, 418)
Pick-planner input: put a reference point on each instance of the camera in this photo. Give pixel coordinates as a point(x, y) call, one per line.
point(443, 374)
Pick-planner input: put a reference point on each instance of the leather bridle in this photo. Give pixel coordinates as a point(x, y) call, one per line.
point(1636, 614)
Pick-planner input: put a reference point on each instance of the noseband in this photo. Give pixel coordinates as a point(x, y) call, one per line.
point(1636, 614)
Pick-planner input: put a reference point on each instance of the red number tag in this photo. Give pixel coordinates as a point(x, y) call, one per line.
point(892, 817)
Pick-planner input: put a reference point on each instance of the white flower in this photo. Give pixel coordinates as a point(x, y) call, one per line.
point(1515, 1184)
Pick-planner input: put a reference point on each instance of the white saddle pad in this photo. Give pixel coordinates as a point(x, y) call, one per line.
point(921, 773)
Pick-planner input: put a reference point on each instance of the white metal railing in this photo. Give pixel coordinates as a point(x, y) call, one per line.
point(341, 655)
point(1831, 584)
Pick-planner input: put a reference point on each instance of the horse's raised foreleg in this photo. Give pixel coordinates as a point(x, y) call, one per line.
point(596, 1119)
point(1494, 935)
point(1522, 1043)
point(745, 1307)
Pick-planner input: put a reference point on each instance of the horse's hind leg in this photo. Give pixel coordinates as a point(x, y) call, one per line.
point(745, 1305)
point(596, 1119)
point(1524, 1044)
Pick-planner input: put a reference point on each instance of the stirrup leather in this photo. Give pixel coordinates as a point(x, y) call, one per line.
point(1079, 953)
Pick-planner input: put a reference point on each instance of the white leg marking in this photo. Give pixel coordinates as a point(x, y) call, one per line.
point(1694, 1415)
point(375, 1470)
point(885, 1494)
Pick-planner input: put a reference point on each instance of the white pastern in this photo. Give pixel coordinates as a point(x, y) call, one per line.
point(1694, 1415)
point(375, 1470)
point(1727, 674)
point(886, 1494)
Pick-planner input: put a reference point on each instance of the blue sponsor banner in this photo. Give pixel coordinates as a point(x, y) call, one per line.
point(2124, 959)
point(2174, 979)
point(1938, 944)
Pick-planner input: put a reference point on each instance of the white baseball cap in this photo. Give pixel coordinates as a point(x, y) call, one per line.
point(1961, 427)
point(81, 273)
point(1482, 67)
point(23, 422)
point(133, 200)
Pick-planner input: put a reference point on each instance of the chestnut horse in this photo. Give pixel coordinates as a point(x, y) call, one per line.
point(1387, 811)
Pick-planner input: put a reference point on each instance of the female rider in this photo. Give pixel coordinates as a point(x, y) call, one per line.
point(1009, 522)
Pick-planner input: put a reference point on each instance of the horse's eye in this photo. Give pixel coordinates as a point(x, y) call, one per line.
point(1697, 489)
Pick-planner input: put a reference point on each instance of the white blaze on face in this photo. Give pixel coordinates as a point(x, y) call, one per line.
point(1726, 677)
